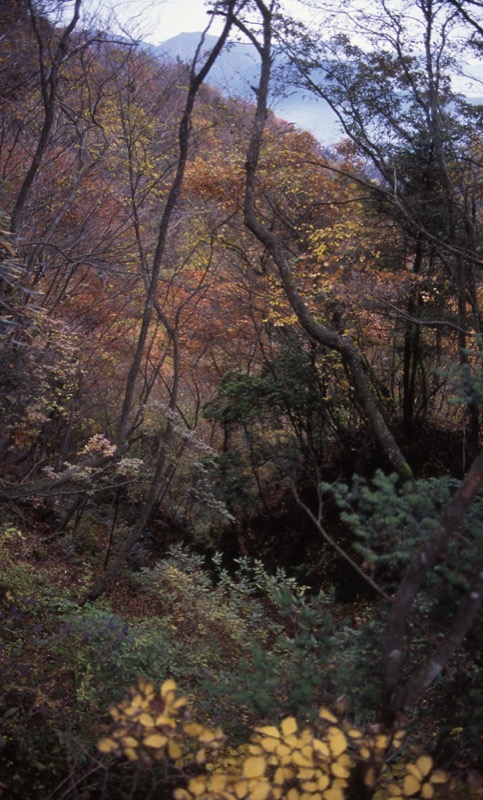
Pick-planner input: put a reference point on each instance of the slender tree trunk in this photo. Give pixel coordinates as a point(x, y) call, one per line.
point(152, 306)
point(196, 80)
point(137, 530)
point(412, 337)
point(49, 85)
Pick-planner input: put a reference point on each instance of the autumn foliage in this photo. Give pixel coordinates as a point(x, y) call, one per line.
point(218, 331)
point(321, 762)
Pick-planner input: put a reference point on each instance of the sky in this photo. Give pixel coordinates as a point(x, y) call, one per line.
point(156, 21)
point(160, 20)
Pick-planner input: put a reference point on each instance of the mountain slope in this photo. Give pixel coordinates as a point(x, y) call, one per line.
point(236, 72)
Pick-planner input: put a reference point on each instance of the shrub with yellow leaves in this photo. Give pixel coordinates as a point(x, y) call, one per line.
point(153, 726)
point(330, 760)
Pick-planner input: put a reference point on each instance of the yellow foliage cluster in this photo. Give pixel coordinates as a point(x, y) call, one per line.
point(313, 763)
point(153, 726)
point(419, 781)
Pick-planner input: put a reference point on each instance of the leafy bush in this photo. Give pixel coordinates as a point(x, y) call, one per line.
point(389, 525)
point(290, 397)
point(330, 760)
point(253, 637)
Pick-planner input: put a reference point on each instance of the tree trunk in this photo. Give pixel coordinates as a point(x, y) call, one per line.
point(320, 333)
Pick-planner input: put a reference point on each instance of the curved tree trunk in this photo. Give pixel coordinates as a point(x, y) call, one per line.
point(319, 332)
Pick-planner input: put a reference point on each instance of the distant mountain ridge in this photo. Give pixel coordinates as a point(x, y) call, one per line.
point(234, 71)
point(234, 74)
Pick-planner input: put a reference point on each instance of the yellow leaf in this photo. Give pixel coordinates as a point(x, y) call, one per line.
point(269, 745)
point(168, 686)
point(309, 786)
point(283, 774)
point(260, 791)
point(146, 686)
point(439, 777)
point(131, 754)
point(129, 741)
point(306, 773)
point(323, 781)
point(240, 788)
point(300, 760)
point(427, 792)
point(269, 730)
point(411, 785)
point(155, 740)
point(413, 770)
point(279, 776)
point(294, 741)
point(217, 783)
point(394, 791)
point(321, 747)
point(254, 767)
point(106, 745)
point(146, 720)
point(424, 765)
point(292, 794)
point(181, 794)
point(337, 741)
point(340, 771)
point(174, 750)
point(283, 751)
point(289, 726)
point(324, 713)
point(193, 729)
point(333, 794)
point(197, 785)
point(382, 742)
point(306, 736)
point(398, 738)
point(207, 736)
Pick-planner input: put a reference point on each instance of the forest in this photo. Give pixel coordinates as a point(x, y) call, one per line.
point(241, 398)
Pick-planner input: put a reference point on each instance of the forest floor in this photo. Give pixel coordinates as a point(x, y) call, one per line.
point(62, 665)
